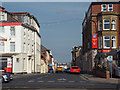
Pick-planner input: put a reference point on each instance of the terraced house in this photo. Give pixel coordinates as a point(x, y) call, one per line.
point(20, 42)
point(101, 31)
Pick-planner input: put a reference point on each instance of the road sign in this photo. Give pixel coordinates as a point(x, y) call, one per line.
point(110, 59)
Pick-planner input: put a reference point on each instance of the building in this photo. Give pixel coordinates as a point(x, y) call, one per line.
point(19, 42)
point(76, 56)
point(100, 30)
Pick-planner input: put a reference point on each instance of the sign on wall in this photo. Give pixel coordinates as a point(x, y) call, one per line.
point(94, 41)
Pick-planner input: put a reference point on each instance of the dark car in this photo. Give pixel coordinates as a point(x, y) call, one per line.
point(6, 77)
point(50, 70)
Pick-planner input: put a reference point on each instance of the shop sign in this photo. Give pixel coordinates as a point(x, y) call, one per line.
point(94, 41)
point(106, 50)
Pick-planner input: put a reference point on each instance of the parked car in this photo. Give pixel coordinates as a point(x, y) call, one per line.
point(50, 70)
point(6, 77)
point(75, 69)
point(68, 70)
point(59, 69)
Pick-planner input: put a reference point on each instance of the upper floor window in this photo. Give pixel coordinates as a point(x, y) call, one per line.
point(12, 30)
point(1, 46)
point(2, 16)
point(103, 7)
point(113, 41)
point(106, 24)
point(1, 28)
point(106, 41)
point(12, 46)
point(110, 7)
point(113, 24)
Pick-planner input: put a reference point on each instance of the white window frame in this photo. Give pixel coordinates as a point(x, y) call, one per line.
point(2, 47)
point(2, 29)
point(12, 31)
point(12, 46)
point(110, 7)
point(113, 24)
point(114, 40)
point(106, 23)
point(104, 41)
point(102, 8)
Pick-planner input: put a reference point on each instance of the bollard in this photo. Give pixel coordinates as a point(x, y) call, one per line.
point(107, 74)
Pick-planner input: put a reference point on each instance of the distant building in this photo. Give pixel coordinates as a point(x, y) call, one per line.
point(19, 42)
point(100, 29)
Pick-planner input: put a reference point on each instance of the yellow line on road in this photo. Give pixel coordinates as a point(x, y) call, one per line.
point(83, 78)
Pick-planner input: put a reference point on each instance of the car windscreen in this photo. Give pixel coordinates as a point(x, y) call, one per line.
point(74, 67)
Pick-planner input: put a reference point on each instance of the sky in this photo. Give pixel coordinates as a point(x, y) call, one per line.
point(61, 24)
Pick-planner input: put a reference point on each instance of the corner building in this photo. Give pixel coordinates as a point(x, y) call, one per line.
point(100, 30)
point(20, 42)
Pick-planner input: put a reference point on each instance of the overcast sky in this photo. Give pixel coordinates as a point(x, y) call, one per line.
point(61, 24)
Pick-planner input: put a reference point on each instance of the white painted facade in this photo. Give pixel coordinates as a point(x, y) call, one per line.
point(26, 57)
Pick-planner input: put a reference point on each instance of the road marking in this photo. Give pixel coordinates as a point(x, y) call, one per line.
point(71, 81)
point(62, 79)
point(83, 78)
point(41, 81)
point(51, 81)
point(31, 81)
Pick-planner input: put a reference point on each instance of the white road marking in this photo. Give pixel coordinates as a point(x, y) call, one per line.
point(71, 81)
point(62, 79)
point(31, 81)
point(51, 81)
point(41, 81)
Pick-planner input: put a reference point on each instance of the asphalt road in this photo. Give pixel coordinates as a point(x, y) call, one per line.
point(55, 81)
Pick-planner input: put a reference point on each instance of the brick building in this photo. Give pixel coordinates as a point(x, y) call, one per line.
point(101, 31)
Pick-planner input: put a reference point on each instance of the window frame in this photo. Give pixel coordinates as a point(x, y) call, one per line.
point(3, 29)
point(110, 7)
point(115, 41)
point(3, 47)
point(113, 24)
point(104, 24)
point(102, 8)
point(11, 48)
point(11, 31)
point(104, 41)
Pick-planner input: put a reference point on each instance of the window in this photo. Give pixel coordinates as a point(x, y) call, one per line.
point(12, 46)
point(1, 29)
point(12, 30)
point(1, 46)
point(113, 41)
point(106, 24)
point(24, 47)
point(106, 41)
point(113, 24)
point(110, 7)
point(103, 7)
point(17, 60)
point(2, 16)
point(100, 25)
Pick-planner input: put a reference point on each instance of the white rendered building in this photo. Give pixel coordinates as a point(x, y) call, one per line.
point(20, 42)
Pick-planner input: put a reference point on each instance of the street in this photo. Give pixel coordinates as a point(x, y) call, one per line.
point(55, 81)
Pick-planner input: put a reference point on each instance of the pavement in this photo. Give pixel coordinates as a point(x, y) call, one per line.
point(100, 79)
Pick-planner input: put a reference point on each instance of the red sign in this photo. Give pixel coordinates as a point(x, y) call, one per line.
point(8, 70)
point(3, 39)
point(9, 24)
point(106, 50)
point(94, 41)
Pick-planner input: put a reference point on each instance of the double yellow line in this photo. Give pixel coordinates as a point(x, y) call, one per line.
point(84, 78)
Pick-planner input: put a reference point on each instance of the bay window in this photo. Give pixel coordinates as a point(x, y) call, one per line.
point(2, 46)
point(106, 41)
point(113, 41)
point(106, 24)
point(113, 24)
